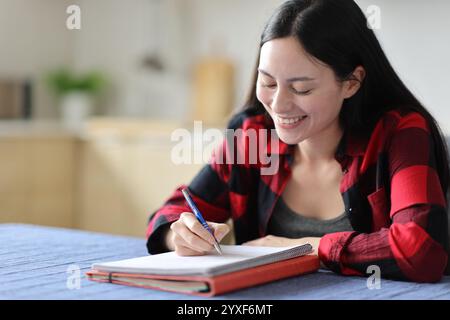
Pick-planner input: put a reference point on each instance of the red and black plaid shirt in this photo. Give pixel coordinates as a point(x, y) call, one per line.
point(390, 188)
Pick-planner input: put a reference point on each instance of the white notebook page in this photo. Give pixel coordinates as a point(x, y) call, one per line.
point(234, 258)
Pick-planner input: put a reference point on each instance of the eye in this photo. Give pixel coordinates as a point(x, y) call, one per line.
point(268, 85)
point(301, 93)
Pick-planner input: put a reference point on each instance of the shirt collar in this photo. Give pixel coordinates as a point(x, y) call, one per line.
point(351, 144)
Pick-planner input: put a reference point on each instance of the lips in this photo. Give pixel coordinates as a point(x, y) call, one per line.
point(289, 121)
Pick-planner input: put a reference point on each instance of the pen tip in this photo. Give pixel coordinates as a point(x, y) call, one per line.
point(218, 249)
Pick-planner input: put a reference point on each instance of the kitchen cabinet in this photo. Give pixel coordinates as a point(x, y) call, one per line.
point(37, 179)
point(108, 178)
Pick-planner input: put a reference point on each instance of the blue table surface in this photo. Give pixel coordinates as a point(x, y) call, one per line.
point(35, 263)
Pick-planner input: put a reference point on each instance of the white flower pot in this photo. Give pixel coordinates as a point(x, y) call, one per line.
point(76, 107)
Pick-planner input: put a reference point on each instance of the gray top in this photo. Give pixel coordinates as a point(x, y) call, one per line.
point(287, 223)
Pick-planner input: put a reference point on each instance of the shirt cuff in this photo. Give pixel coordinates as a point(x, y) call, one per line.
point(331, 248)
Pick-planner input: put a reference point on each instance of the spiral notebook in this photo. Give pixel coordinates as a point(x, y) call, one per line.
point(211, 274)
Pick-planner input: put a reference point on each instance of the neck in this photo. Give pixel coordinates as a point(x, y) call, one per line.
point(321, 148)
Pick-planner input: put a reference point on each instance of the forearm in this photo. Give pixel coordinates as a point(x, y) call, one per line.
point(403, 252)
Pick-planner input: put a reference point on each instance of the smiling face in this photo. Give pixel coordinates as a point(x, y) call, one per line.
point(302, 96)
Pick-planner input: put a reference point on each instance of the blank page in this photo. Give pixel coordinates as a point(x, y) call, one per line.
point(234, 258)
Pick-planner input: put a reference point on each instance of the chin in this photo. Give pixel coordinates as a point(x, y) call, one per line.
point(289, 138)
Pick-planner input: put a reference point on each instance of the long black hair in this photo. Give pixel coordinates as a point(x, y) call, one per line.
point(336, 33)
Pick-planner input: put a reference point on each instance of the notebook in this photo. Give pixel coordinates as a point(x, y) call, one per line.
point(212, 274)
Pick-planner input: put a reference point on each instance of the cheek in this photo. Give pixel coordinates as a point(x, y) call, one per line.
point(264, 96)
point(327, 103)
point(331, 103)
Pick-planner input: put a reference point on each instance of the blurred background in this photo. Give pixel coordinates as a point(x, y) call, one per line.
point(86, 115)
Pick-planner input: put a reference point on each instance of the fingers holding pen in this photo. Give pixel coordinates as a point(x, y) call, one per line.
point(182, 250)
point(191, 234)
point(196, 227)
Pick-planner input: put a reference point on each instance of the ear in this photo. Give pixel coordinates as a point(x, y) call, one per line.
point(353, 84)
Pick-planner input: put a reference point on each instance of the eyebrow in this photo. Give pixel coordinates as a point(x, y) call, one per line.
point(304, 78)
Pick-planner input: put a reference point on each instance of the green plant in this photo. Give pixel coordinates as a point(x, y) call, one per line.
point(64, 81)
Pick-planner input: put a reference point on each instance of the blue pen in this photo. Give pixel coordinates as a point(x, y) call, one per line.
point(199, 217)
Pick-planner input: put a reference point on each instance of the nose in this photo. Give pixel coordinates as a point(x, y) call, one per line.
point(281, 102)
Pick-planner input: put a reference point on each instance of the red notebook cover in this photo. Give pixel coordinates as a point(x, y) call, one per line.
point(223, 283)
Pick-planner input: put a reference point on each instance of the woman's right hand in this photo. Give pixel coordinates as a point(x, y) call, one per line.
point(187, 236)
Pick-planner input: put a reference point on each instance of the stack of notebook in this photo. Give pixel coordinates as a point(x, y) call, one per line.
point(213, 274)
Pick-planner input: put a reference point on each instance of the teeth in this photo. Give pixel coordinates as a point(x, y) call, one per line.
point(289, 121)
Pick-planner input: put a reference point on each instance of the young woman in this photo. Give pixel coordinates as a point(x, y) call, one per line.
point(363, 169)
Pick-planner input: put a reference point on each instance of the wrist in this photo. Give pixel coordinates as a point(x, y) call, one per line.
point(166, 237)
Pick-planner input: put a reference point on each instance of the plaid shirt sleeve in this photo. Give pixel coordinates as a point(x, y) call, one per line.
point(209, 190)
point(413, 246)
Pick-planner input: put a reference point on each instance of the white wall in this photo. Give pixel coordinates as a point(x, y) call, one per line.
point(415, 37)
point(238, 24)
point(117, 34)
point(34, 39)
